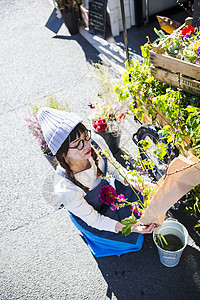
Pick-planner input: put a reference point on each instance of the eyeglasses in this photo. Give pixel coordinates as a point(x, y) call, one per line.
point(81, 143)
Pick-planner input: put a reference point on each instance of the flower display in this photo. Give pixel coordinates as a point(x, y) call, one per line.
point(184, 44)
point(107, 116)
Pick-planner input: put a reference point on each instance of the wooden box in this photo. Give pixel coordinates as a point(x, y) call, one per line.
point(166, 68)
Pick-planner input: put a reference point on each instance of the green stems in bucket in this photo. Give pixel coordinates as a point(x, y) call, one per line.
point(160, 240)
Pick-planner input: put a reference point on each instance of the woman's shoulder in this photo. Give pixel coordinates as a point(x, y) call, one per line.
point(62, 183)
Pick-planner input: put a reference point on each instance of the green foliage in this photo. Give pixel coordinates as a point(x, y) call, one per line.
point(161, 240)
point(193, 200)
point(147, 96)
point(144, 91)
point(68, 5)
point(161, 36)
point(106, 80)
point(129, 224)
point(49, 101)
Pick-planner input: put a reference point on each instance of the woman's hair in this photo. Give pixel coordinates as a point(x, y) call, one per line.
point(76, 132)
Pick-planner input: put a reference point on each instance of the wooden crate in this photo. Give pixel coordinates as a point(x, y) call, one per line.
point(166, 68)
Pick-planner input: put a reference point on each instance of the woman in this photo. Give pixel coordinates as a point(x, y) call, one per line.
point(78, 180)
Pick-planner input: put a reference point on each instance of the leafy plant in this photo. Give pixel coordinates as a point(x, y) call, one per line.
point(108, 113)
point(32, 121)
point(193, 201)
point(68, 5)
point(149, 97)
point(182, 44)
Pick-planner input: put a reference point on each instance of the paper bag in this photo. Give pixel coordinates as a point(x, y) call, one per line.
point(183, 174)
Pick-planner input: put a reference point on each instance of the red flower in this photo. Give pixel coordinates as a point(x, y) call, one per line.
point(91, 105)
point(103, 127)
point(108, 195)
point(98, 128)
point(100, 122)
point(121, 117)
point(100, 125)
point(188, 29)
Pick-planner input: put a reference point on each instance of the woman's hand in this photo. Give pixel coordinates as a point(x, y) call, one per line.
point(118, 227)
point(139, 228)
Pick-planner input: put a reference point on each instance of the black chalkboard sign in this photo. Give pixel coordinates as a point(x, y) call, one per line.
point(196, 14)
point(97, 17)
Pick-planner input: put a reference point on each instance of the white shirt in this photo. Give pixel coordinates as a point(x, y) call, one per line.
point(72, 196)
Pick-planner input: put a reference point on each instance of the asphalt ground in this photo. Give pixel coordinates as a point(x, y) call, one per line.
point(42, 255)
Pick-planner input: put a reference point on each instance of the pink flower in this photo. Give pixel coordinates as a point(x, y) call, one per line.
point(91, 105)
point(107, 195)
point(120, 198)
point(114, 207)
point(135, 210)
point(132, 208)
point(140, 214)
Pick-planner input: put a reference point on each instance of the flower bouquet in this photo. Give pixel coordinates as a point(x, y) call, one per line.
point(108, 116)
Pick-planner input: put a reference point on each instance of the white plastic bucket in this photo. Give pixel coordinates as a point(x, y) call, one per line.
point(171, 226)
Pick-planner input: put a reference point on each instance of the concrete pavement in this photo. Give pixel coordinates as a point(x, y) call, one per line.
point(42, 255)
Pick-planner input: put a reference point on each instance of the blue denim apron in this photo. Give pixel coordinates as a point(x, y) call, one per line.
point(102, 242)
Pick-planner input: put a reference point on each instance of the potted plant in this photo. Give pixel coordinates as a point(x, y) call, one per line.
point(34, 126)
point(107, 118)
point(108, 114)
point(69, 10)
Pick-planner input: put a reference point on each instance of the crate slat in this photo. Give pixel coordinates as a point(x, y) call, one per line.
point(187, 84)
point(175, 65)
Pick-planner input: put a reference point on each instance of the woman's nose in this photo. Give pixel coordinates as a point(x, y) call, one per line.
point(86, 143)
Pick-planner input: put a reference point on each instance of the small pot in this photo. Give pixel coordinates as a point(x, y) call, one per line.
point(71, 21)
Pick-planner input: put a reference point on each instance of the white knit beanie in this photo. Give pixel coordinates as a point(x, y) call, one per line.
point(56, 125)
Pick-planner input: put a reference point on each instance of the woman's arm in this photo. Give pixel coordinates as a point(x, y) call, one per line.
point(73, 199)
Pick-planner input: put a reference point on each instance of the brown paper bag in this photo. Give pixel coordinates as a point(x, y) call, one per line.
point(183, 174)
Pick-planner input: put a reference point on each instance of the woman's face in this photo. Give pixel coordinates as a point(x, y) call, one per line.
point(80, 148)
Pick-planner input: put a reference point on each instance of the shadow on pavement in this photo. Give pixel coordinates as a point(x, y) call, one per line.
point(140, 275)
point(91, 54)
